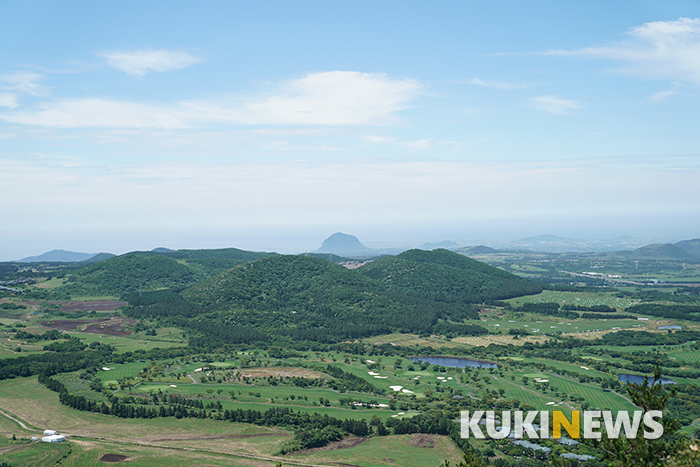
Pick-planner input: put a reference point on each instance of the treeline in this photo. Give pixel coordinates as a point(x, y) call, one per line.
point(593, 308)
point(688, 312)
point(604, 316)
point(53, 363)
point(351, 382)
point(625, 338)
point(455, 329)
point(566, 311)
point(47, 336)
point(96, 355)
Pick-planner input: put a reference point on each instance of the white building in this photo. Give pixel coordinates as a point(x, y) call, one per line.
point(49, 432)
point(53, 439)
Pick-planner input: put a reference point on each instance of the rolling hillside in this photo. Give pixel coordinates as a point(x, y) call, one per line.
point(447, 277)
point(660, 251)
point(149, 271)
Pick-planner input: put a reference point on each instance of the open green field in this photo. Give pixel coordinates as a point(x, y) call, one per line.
point(576, 298)
point(170, 441)
point(401, 450)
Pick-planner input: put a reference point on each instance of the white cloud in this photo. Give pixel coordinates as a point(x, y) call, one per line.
point(9, 101)
point(394, 141)
point(97, 113)
point(661, 95)
point(140, 62)
point(329, 98)
point(657, 50)
point(326, 98)
point(25, 82)
point(496, 85)
point(554, 105)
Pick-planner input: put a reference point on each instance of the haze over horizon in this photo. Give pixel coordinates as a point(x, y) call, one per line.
point(271, 125)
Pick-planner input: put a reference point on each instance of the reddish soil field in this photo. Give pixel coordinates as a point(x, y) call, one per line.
point(108, 326)
point(69, 324)
point(115, 327)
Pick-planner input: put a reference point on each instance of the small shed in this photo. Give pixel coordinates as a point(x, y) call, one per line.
point(53, 439)
point(49, 432)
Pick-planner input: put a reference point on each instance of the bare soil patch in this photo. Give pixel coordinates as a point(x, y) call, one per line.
point(115, 327)
point(279, 372)
point(422, 440)
point(70, 324)
point(109, 326)
point(349, 442)
point(113, 458)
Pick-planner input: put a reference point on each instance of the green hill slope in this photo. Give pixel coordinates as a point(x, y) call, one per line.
point(691, 246)
point(660, 251)
point(305, 298)
point(449, 277)
point(210, 262)
point(144, 271)
point(130, 273)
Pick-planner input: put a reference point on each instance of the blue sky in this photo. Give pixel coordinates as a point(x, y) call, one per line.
point(274, 124)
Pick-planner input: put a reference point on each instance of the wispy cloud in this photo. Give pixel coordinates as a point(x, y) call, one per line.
point(328, 98)
point(394, 141)
point(661, 95)
point(141, 62)
point(25, 82)
point(97, 113)
point(497, 85)
point(554, 104)
point(9, 101)
point(657, 50)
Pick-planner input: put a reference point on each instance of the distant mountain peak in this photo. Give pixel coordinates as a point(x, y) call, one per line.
point(58, 256)
point(343, 244)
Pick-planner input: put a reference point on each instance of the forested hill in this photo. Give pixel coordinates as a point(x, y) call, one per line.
point(148, 271)
point(310, 298)
point(445, 276)
point(129, 273)
point(656, 251)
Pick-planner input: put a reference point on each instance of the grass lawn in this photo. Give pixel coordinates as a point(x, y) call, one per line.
point(401, 450)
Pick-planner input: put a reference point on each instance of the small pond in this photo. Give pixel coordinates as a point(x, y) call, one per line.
point(453, 362)
point(640, 379)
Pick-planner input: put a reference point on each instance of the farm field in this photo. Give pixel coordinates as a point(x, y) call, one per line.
point(576, 298)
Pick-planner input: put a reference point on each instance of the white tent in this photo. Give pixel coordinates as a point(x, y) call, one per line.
point(53, 439)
